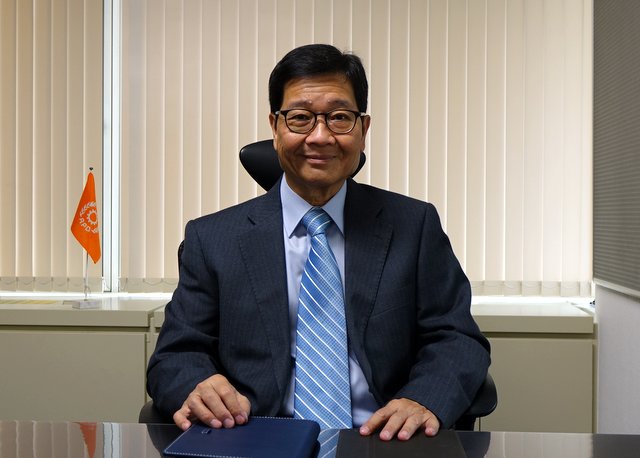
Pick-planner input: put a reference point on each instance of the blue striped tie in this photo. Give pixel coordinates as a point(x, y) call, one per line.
point(322, 390)
point(328, 439)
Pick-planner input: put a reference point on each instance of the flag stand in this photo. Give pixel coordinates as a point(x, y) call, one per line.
point(87, 303)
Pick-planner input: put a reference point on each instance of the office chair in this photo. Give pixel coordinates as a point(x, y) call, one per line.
point(260, 160)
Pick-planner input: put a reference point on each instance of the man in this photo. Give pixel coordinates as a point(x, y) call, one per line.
point(231, 342)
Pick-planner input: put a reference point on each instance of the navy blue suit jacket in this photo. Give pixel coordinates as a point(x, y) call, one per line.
point(407, 306)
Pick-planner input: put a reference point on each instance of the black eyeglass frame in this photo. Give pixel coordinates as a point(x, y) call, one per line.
point(284, 113)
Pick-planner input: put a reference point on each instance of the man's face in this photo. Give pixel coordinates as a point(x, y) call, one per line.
point(317, 163)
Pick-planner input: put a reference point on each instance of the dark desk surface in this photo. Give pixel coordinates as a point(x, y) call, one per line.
point(22, 439)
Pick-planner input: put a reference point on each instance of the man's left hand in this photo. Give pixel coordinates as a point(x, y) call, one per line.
point(402, 417)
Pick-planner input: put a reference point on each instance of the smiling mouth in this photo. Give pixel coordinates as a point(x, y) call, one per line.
point(318, 158)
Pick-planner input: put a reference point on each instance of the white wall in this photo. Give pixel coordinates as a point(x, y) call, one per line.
point(618, 400)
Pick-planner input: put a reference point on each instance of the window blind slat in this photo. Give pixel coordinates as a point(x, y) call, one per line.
point(437, 108)
point(514, 144)
point(399, 79)
point(42, 153)
point(8, 109)
point(417, 103)
point(62, 194)
point(533, 147)
point(457, 77)
point(495, 138)
point(476, 141)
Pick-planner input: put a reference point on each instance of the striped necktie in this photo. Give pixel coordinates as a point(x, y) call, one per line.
point(322, 389)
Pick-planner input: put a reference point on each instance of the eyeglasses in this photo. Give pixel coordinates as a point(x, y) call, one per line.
point(338, 121)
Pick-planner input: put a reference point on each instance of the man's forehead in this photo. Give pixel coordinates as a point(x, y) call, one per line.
point(334, 88)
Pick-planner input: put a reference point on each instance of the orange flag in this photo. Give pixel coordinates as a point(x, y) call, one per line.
point(89, 435)
point(85, 224)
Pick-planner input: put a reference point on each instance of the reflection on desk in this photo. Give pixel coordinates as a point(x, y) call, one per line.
point(22, 439)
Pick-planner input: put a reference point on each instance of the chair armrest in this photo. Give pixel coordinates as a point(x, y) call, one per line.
point(486, 399)
point(483, 404)
point(150, 414)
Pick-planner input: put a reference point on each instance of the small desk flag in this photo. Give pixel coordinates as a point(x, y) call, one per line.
point(89, 435)
point(85, 224)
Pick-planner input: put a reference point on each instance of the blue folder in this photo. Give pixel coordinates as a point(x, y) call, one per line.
point(260, 437)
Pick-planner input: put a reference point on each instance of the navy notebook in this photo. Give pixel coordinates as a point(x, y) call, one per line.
point(261, 437)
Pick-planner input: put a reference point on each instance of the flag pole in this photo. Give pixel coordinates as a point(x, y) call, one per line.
point(86, 274)
point(86, 265)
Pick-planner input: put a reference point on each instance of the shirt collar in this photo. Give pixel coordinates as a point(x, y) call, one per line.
point(295, 207)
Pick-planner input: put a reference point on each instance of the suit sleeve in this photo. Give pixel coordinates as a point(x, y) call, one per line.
point(187, 347)
point(452, 356)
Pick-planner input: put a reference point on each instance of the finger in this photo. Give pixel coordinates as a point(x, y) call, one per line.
point(245, 406)
point(412, 424)
point(432, 426)
point(210, 409)
point(393, 425)
point(376, 420)
point(181, 418)
point(235, 406)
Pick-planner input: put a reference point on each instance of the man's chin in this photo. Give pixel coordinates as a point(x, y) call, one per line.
point(319, 178)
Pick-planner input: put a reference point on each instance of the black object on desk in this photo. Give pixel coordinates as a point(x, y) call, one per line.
point(446, 443)
point(265, 437)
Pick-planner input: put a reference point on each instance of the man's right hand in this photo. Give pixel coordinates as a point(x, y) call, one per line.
point(214, 402)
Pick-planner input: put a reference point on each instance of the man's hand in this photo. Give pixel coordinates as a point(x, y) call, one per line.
point(214, 402)
point(404, 417)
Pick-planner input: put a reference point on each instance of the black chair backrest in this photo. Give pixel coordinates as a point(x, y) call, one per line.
point(260, 160)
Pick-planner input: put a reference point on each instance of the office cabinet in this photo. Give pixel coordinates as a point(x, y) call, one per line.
point(60, 363)
point(542, 364)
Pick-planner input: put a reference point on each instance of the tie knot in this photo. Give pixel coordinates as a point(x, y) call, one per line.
point(316, 221)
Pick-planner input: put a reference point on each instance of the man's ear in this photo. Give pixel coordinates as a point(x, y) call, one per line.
point(273, 122)
point(366, 123)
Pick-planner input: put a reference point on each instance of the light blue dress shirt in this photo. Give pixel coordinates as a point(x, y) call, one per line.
point(296, 247)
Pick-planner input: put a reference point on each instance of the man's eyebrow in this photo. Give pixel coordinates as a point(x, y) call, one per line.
point(341, 103)
point(336, 103)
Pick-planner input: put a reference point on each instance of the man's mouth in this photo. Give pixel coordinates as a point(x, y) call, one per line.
point(319, 158)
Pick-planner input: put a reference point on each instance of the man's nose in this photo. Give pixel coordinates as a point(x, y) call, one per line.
point(321, 132)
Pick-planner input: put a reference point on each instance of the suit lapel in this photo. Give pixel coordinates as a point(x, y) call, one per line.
point(263, 256)
point(367, 239)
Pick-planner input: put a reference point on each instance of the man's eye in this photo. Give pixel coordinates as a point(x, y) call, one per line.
point(341, 116)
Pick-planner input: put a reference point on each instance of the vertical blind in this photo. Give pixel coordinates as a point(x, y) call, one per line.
point(50, 134)
point(482, 107)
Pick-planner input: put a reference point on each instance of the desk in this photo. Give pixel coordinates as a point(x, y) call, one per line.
point(22, 439)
